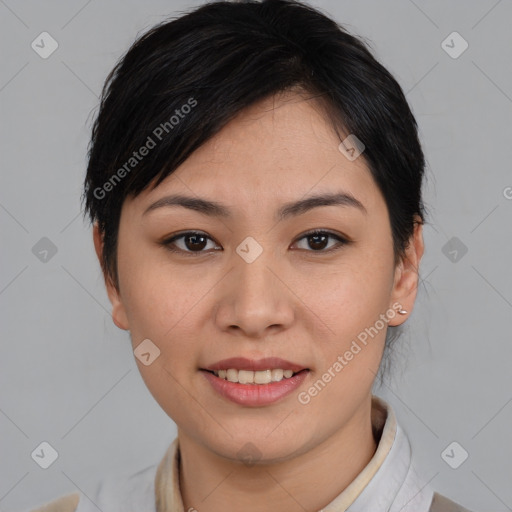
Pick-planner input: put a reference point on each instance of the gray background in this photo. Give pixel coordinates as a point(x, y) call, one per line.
point(67, 374)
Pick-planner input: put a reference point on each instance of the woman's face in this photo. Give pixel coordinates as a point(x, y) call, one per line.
point(252, 285)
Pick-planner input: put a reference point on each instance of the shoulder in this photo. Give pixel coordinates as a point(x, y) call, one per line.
point(68, 503)
point(441, 503)
point(128, 492)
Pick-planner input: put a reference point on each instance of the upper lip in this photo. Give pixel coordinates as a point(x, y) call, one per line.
point(242, 363)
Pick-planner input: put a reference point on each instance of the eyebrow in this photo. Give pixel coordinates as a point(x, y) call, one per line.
point(215, 209)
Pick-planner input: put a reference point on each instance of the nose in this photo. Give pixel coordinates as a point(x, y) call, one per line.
point(254, 298)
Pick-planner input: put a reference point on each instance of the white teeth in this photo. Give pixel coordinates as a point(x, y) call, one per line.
point(250, 377)
point(277, 375)
point(232, 375)
point(245, 377)
point(263, 377)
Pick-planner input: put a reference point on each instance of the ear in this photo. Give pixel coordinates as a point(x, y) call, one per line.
point(119, 316)
point(405, 286)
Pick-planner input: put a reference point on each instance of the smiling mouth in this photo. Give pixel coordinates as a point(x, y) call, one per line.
point(254, 377)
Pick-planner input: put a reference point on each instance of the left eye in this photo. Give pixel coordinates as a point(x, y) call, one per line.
point(195, 242)
point(318, 240)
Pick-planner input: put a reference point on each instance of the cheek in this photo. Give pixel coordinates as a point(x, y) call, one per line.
point(351, 303)
point(355, 292)
point(164, 304)
point(349, 357)
point(160, 308)
point(154, 295)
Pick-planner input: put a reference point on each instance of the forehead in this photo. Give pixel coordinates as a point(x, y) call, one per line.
point(279, 149)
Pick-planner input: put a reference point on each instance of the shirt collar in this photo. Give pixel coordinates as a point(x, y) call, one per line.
point(374, 488)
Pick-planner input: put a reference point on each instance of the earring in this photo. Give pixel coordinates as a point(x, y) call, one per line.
point(402, 311)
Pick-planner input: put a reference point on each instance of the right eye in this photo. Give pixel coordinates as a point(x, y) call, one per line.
point(192, 243)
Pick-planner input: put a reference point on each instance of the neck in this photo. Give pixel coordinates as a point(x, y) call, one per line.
point(209, 482)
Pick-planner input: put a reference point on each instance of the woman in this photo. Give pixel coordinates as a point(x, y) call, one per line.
point(255, 186)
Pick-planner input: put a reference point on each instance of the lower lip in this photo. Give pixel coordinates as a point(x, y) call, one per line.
point(255, 395)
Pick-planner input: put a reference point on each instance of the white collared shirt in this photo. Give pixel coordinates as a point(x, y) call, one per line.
point(388, 483)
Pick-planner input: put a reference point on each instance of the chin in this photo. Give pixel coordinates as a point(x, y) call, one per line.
point(260, 448)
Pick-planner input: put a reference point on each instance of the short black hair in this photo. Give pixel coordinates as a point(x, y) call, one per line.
point(186, 78)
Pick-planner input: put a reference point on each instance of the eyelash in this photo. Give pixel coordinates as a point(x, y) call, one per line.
point(168, 243)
